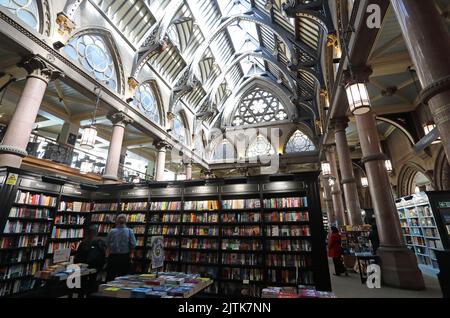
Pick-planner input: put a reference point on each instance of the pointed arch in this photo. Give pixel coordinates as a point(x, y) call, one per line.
point(180, 128)
point(96, 52)
point(299, 142)
point(223, 150)
point(34, 13)
point(147, 99)
point(260, 146)
point(259, 105)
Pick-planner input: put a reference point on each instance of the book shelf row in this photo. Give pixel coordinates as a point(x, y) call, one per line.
point(250, 237)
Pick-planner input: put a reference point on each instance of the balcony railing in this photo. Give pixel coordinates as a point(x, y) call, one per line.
point(47, 149)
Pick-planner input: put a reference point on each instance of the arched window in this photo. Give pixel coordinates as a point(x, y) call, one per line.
point(25, 10)
point(91, 51)
point(257, 107)
point(299, 142)
point(145, 101)
point(179, 130)
point(260, 147)
point(224, 150)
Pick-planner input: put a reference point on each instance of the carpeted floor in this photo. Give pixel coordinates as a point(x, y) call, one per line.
point(351, 287)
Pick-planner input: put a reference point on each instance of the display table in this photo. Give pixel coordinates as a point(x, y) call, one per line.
point(57, 284)
point(160, 285)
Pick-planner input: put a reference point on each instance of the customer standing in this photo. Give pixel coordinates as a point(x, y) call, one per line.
point(121, 243)
point(335, 251)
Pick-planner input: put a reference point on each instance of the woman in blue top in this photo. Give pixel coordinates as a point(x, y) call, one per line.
point(121, 243)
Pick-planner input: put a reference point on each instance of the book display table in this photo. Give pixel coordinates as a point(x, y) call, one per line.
point(160, 285)
point(60, 280)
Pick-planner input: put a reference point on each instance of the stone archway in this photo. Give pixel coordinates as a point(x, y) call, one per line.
point(407, 178)
point(442, 172)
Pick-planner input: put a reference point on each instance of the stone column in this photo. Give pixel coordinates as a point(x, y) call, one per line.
point(428, 40)
point(13, 148)
point(161, 149)
point(398, 264)
point(336, 192)
point(348, 177)
point(328, 202)
point(120, 121)
point(188, 171)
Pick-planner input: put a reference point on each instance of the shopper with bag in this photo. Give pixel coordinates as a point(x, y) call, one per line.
point(335, 251)
point(121, 243)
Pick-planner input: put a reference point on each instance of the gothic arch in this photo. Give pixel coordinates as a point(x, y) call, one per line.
point(406, 178)
point(304, 129)
point(158, 99)
point(246, 88)
point(442, 172)
point(108, 38)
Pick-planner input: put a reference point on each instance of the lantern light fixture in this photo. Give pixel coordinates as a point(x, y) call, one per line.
point(364, 182)
point(89, 136)
point(326, 169)
point(358, 98)
point(388, 165)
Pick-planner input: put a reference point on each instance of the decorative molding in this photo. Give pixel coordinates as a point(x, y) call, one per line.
point(375, 157)
point(12, 150)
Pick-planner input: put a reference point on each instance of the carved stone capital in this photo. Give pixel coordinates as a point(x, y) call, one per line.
point(66, 26)
point(375, 157)
point(37, 67)
point(132, 84)
point(330, 148)
point(162, 145)
point(120, 119)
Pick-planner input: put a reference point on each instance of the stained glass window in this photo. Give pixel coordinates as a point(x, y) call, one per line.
point(224, 150)
point(179, 130)
point(93, 54)
point(260, 147)
point(145, 101)
point(299, 142)
point(25, 10)
point(257, 107)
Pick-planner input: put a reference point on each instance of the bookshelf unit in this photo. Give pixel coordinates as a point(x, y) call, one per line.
point(164, 219)
point(440, 206)
point(71, 219)
point(420, 230)
point(201, 233)
point(30, 207)
point(135, 204)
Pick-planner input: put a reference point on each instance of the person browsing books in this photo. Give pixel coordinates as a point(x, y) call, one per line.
point(92, 250)
point(335, 251)
point(121, 243)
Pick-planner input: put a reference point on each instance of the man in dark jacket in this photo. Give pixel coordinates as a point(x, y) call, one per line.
point(92, 250)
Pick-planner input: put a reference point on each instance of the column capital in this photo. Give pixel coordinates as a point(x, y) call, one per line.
point(120, 119)
point(358, 74)
point(339, 124)
point(37, 67)
point(330, 148)
point(162, 145)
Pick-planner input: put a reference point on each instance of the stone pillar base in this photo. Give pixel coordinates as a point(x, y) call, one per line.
point(110, 179)
point(399, 268)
